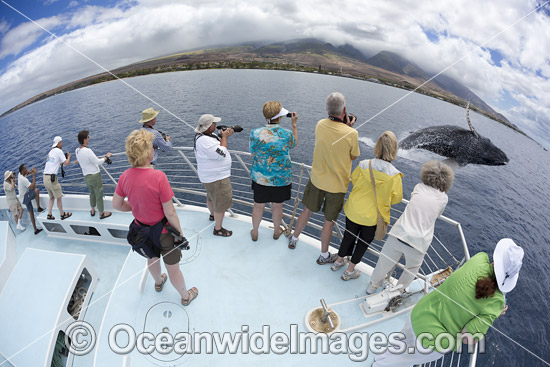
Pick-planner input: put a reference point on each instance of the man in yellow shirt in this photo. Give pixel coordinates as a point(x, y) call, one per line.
point(336, 145)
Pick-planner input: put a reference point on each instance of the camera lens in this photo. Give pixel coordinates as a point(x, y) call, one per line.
point(289, 114)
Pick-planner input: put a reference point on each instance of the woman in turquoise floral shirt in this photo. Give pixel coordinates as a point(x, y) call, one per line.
point(271, 171)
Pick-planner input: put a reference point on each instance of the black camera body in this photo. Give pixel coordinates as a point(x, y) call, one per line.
point(235, 128)
point(66, 155)
point(350, 117)
point(289, 115)
point(108, 160)
point(180, 241)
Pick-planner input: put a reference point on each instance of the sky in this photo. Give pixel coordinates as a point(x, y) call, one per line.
point(498, 49)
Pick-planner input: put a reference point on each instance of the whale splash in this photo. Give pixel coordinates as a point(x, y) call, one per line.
point(462, 145)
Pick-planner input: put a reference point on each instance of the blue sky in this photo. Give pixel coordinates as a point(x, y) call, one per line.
point(500, 50)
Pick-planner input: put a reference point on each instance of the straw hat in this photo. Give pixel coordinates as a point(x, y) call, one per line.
point(148, 114)
point(7, 174)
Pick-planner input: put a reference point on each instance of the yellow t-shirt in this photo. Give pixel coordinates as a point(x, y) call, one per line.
point(331, 166)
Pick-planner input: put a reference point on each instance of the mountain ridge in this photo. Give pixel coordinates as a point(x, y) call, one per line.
point(310, 55)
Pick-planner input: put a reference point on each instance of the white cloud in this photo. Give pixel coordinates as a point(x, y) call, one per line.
point(26, 34)
point(133, 31)
point(4, 26)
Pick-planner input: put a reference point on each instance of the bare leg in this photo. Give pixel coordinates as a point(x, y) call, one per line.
point(31, 214)
point(18, 218)
point(218, 217)
point(37, 197)
point(154, 269)
point(176, 278)
point(302, 222)
point(210, 206)
point(277, 215)
point(257, 213)
point(60, 205)
point(50, 205)
point(326, 234)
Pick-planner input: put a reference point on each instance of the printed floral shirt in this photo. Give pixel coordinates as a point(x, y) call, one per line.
point(271, 165)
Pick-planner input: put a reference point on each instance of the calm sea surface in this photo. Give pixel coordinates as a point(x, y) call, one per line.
point(490, 202)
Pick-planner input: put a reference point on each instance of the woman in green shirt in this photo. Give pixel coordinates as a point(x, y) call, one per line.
point(462, 309)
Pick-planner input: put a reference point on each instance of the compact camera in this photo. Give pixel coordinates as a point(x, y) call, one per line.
point(108, 160)
point(235, 128)
point(350, 116)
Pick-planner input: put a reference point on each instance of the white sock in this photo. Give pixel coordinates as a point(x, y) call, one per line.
point(325, 254)
point(294, 238)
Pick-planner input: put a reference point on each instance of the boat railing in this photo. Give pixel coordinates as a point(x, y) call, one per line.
point(448, 249)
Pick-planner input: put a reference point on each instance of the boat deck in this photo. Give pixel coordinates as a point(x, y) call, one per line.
point(240, 283)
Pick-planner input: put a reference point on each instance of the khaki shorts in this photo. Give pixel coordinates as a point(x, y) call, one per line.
point(53, 188)
point(313, 199)
point(170, 255)
point(219, 193)
point(15, 208)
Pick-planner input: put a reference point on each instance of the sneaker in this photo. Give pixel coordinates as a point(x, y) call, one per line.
point(329, 260)
point(336, 265)
point(354, 275)
point(371, 289)
point(292, 243)
point(20, 227)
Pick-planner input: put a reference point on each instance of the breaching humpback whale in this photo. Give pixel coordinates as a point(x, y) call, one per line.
point(464, 146)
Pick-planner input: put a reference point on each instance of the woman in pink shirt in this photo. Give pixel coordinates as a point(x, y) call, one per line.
point(150, 201)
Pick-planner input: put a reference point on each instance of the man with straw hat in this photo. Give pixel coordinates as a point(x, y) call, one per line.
point(161, 140)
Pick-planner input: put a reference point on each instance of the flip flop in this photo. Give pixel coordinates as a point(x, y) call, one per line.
point(158, 287)
point(193, 293)
point(105, 215)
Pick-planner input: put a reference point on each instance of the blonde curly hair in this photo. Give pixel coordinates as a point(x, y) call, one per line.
point(437, 175)
point(138, 147)
point(386, 146)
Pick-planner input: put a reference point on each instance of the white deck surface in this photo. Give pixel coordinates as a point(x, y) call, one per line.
point(240, 283)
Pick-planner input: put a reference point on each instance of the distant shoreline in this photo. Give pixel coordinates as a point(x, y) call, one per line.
point(143, 68)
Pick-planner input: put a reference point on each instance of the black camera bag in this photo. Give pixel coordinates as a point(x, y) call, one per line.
point(145, 239)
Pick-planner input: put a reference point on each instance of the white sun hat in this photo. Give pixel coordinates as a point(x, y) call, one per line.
point(508, 258)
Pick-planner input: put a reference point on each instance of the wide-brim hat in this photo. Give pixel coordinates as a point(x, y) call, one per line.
point(148, 114)
point(281, 113)
point(7, 174)
point(205, 121)
point(56, 141)
point(508, 258)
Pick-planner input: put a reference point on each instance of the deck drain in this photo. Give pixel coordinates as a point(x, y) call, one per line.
point(167, 314)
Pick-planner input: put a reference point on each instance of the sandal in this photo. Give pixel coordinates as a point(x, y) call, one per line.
point(105, 215)
point(254, 238)
point(276, 236)
point(211, 218)
point(222, 232)
point(50, 217)
point(66, 215)
point(92, 212)
point(192, 293)
point(158, 287)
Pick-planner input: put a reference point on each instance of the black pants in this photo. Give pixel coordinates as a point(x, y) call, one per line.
point(356, 240)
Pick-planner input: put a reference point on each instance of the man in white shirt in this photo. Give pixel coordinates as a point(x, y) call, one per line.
point(28, 191)
point(56, 158)
point(214, 168)
point(90, 169)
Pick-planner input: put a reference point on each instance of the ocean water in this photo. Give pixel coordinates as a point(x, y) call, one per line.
point(489, 202)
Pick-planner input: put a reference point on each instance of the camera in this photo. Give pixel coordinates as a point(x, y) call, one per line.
point(235, 128)
point(66, 155)
point(289, 115)
point(350, 117)
point(108, 160)
point(180, 241)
